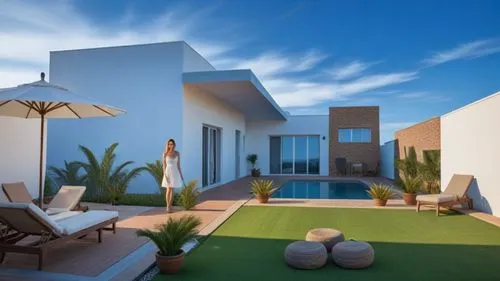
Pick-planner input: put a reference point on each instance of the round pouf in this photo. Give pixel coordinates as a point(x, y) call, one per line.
point(306, 255)
point(328, 236)
point(353, 254)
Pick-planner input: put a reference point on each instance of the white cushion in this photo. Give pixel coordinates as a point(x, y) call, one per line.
point(78, 222)
point(436, 198)
point(24, 222)
point(64, 215)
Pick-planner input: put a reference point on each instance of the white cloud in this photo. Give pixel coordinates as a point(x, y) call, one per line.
point(350, 70)
point(32, 29)
point(469, 50)
point(35, 28)
point(423, 96)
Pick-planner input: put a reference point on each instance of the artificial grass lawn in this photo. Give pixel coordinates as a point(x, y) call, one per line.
point(408, 246)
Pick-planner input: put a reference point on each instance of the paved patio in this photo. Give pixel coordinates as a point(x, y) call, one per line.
point(124, 256)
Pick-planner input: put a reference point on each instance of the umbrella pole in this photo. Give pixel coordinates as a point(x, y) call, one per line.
point(40, 179)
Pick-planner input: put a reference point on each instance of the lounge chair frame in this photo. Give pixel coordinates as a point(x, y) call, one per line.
point(9, 237)
point(463, 200)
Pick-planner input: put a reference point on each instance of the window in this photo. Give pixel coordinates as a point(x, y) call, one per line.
point(355, 135)
point(294, 155)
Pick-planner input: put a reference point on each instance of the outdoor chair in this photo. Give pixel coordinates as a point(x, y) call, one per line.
point(21, 220)
point(341, 166)
point(67, 198)
point(455, 193)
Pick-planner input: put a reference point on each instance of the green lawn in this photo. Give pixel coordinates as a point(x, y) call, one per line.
point(408, 246)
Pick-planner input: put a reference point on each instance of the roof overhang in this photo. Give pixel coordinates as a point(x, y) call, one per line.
point(239, 88)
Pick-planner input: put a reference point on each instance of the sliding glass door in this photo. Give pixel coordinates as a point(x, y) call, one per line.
point(210, 156)
point(294, 155)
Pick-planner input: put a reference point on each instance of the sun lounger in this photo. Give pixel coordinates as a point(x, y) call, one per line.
point(455, 193)
point(24, 219)
point(67, 198)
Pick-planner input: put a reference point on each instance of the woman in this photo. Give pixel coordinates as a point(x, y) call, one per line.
point(172, 175)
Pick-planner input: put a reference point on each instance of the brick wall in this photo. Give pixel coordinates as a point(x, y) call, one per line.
point(355, 117)
point(423, 136)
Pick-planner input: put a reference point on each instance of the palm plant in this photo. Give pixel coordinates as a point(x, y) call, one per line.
point(411, 185)
point(104, 181)
point(189, 195)
point(262, 189)
point(172, 235)
point(408, 167)
point(156, 170)
point(430, 170)
point(69, 174)
point(380, 191)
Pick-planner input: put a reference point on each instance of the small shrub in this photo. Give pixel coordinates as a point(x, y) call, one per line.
point(411, 184)
point(380, 191)
point(172, 235)
point(188, 197)
point(262, 188)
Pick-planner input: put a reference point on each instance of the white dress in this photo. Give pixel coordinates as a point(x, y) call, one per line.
point(171, 176)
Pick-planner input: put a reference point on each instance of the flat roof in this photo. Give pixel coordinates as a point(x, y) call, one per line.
point(239, 88)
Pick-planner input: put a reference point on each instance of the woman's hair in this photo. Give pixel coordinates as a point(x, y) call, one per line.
point(170, 141)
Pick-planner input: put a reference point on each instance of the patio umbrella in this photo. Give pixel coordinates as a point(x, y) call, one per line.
point(43, 100)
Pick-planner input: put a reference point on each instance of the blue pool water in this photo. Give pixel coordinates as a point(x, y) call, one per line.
point(302, 189)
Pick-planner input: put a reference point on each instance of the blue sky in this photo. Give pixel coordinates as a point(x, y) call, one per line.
point(415, 59)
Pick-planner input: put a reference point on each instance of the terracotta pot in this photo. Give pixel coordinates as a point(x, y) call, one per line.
point(379, 202)
point(169, 264)
point(410, 198)
point(262, 199)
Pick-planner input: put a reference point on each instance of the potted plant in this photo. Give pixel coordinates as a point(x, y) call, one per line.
point(252, 158)
point(169, 237)
point(411, 185)
point(188, 197)
point(262, 189)
point(380, 193)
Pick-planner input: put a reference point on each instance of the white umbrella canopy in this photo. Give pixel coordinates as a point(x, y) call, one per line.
point(43, 100)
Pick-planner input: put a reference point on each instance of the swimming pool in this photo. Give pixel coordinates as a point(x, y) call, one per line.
point(337, 189)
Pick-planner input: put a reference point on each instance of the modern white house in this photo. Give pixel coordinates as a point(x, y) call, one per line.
point(216, 117)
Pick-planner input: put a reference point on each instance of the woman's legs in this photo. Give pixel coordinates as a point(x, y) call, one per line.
point(169, 196)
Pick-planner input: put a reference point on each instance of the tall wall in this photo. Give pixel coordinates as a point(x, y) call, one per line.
point(145, 80)
point(355, 117)
point(470, 141)
point(258, 137)
point(20, 152)
point(423, 136)
point(388, 153)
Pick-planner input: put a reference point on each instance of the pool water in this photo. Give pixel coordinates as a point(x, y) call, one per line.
point(301, 189)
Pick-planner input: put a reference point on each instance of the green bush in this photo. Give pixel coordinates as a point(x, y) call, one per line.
point(189, 195)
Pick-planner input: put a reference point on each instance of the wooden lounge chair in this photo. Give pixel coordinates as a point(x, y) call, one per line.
point(455, 193)
point(21, 220)
point(67, 198)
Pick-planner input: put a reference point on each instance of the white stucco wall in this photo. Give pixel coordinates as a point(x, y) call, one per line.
point(20, 152)
point(202, 108)
point(145, 80)
point(470, 138)
point(257, 137)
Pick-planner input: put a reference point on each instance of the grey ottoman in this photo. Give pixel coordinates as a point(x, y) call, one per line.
point(353, 254)
point(306, 255)
point(328, 236)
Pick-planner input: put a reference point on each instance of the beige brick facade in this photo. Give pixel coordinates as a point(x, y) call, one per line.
point(423, 136)
point(355, 117)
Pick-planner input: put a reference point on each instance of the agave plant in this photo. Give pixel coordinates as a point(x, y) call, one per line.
point(411, 184)
point(69, 175)
point(103, 180)
point(156, 170)
point(189, 195)
point(262, 188)
point(380, 191)
point(172, 235)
